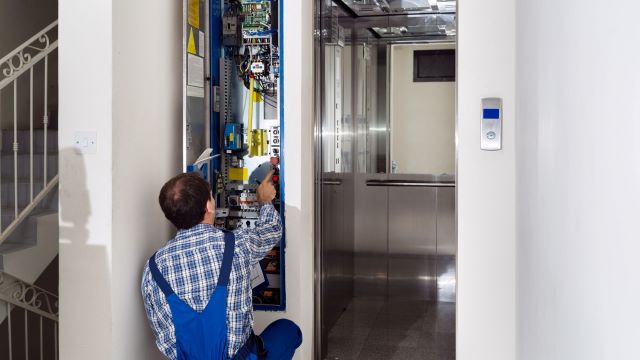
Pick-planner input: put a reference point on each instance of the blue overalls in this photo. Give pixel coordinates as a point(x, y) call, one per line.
point(203, 335)
point(200, 335)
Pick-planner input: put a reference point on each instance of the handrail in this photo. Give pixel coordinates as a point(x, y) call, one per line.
point(405, 183)
point(28, 42)
point(334, 182)
point(28, 296)
point(27, 210)
point(27, 55)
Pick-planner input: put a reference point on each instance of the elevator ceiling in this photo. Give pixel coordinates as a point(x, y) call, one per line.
point(399, 19)
point(382, 7)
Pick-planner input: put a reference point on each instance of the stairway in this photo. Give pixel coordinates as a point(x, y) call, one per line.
point(25, 236)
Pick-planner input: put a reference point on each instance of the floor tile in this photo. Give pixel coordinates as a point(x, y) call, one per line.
point(372, 329)
point(354, 320)
point(377, 352)
point(366, 305)
point(397, 338)
point(344, 348)
point(399, 322)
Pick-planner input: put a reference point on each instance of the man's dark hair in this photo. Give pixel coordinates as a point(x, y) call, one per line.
point(183, 199)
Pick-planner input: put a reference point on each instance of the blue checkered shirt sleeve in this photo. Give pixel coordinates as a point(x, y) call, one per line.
point(259, 240)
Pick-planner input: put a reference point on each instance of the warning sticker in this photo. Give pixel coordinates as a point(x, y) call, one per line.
point(191, 45)
point(194, 13)
point(201, 43)
point(195, 71)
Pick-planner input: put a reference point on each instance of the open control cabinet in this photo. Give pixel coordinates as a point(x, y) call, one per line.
point(241, 126)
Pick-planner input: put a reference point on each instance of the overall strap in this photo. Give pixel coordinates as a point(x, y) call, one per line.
point(227, 258)
point(158, 278)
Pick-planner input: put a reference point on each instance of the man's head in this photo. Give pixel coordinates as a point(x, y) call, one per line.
point(186, 201)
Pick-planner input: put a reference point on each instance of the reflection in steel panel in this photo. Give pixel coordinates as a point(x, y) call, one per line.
point(337, 247)
point(370, 247)
point(412, 242)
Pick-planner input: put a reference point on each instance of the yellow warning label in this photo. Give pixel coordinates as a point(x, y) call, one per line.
point(191, 45)
point(194, 13)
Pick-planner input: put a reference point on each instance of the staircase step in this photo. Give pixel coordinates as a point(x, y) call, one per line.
point(7, 168)
point(26, 235)
point(9, 247)
point(49, 203)
point(24, 141)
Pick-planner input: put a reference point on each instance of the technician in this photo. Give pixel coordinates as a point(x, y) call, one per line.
point(197, 288)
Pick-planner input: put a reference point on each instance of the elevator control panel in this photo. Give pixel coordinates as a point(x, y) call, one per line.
point(491, 124)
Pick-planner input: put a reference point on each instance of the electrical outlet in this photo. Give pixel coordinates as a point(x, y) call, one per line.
point(86, 141)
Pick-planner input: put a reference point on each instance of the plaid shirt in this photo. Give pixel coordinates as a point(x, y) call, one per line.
point(191, 263)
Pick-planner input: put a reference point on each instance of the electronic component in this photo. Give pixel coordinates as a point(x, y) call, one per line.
point(247, 223)
point(257, 67)
point(238, 174)
point(232, 137)
point(222, 212)
point(233, 200)
point(231, 31)
point(274, 141)
point(248, 200)
point(259, 143)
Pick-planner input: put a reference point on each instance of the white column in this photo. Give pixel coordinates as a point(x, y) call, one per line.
point(578, 181)
point(147, 148)
point(85, 88)
point(486, 184)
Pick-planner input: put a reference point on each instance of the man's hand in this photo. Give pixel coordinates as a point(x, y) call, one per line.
point(266, 192)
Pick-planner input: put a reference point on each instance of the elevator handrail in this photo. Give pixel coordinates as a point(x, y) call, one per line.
point(331, 182)
point(405, 183)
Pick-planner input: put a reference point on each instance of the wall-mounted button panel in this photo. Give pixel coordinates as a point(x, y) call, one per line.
point(491, 124)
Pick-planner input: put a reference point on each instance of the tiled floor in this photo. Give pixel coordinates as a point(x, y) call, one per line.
point(372, 329)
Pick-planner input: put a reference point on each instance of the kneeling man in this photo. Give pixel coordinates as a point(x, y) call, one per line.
point(197, 288)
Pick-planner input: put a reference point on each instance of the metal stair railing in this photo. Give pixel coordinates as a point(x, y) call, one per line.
point(17, 63)
point(35, 303)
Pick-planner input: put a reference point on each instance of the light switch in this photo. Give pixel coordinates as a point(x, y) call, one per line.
point(86, 141)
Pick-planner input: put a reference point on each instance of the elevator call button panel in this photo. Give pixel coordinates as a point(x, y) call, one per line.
point(491, 124)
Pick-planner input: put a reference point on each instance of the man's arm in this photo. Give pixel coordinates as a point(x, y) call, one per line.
point(268, 229)
point(265, 235)
point(159, 322)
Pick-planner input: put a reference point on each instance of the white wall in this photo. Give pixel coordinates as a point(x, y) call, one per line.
point(85, 181)
point(130, 93)
point(486, 184)
point(298, 163)
point(422, 116)
point(578, 181)
point(147, 151)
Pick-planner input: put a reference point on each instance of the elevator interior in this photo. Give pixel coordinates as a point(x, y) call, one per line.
point(385, 179)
